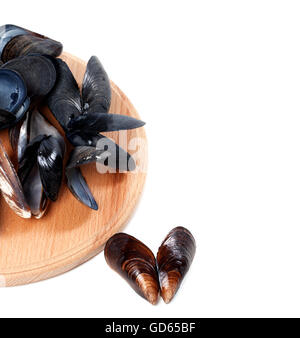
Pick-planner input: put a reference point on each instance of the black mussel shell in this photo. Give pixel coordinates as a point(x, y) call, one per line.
point(41, 151)
point(89, 112)
point(50, 162)
point(174, 258)
point(79, 188)
point(13, 98)
point(135, 262)
point(96, 90)
point(11, 187)
point(13, 90)
point(83, 155)
point(29, 157)
point(116, 157)
point(28, 43)
point(100, 122)
point(81, 138)
point(107, 153)
point(64, 100)
point(37, 71)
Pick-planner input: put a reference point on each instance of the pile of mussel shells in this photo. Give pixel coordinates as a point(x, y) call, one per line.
point(33, 76)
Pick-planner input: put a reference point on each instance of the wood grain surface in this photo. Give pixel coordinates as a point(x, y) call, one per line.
point(70, 233)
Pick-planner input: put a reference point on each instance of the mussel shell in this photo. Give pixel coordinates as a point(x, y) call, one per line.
point(9, 123)
point(50, 162)
point(135, 262)
point(84, 155)
point(37, 71)
point(41, 151)
point(174, 258)
point(100, 122)
point(64, 100)
point(13, 91)
point(14, 102)
point(40, 125)
point(119, 159)
point(18, 137)
point(30, 44)
point(96, 90)
point(35, 127)
point(76, 182)
point(79, 188)
point(11, 187)
point(13, 133)
point(8, 32)
point(29, 157)
point(81, 138)
point(47, 148)
point(22, 138)
point(34, 192)
point(29, 174)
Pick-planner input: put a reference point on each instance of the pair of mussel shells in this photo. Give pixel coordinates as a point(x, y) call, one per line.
point(148, 276)
point(32, 76)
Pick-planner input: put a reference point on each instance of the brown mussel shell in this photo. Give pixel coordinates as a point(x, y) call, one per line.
point(174, 258)
point(135, 262)
point(30, 44)
point(11, 187)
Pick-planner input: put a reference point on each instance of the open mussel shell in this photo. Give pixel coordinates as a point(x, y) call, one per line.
point(50, 154)
point(37, 71)
point(174, 258)
point(13, 98)
point(41, 151)
point(16, 41)
point(11, 187)
point(135, 262)
point(30, 178)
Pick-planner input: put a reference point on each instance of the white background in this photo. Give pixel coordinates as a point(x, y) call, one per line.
point(218, 83)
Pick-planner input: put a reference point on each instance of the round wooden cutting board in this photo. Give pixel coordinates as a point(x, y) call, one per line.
point(70, 233)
